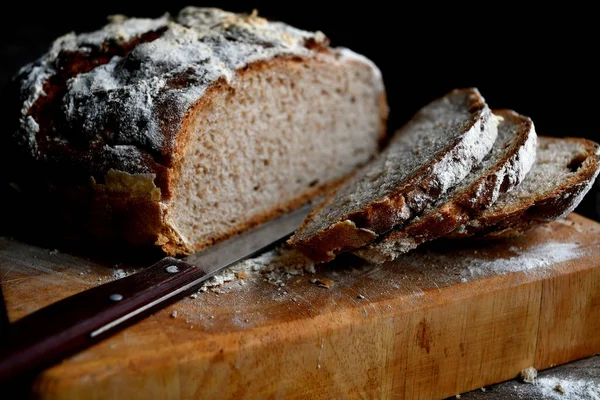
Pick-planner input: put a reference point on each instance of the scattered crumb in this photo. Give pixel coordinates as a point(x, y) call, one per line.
point(274, 267)
point(119, 273)
point(172, 269)
point(559, 389)
point(457, 396)
point(324, 283)
point(194, 296)
point(528, 375)
point(53, 252)
point(174, 314)
point(482, 389)
point(360, 296)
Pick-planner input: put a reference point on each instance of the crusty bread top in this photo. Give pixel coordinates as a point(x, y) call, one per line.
point(501, 171)
point(429, 155)
point(118, 97)
point(562, 174)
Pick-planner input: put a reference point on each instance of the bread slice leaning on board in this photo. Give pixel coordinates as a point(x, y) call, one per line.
point(426, 158)
point(502, 170)
point(564, 171)
point(178, 132)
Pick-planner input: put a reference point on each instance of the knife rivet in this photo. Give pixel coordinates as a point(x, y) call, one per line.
point(115, 297)
point(172, 269)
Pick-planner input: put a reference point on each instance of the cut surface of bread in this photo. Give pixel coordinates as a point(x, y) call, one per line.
point(289, 129)
point(564, 171)
point(432, 153)
point(181, 131)
point(505, 167)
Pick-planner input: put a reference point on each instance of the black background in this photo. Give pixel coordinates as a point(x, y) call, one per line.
point(539, 61)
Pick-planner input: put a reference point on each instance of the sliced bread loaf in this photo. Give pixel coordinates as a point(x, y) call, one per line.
point(180, 131)
point(428, 156)
point(501, 171)
point(564, 171)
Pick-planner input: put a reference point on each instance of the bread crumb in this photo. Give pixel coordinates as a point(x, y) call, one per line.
point(324, 283)
point(118, 274)
point(559, 389)
point(482, 389)
point(174, 314)
point(360, 296)
point(528, 375)
point(194, 296)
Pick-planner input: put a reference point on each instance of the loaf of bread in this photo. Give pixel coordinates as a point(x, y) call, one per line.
point(178, 132)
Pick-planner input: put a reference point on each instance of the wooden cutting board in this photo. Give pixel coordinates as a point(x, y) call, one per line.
point(433, 324)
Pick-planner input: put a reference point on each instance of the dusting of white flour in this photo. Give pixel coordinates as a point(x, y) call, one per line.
point(572, 389)
point(526, 260)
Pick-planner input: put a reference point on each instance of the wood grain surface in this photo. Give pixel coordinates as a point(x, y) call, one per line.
point(449, 318)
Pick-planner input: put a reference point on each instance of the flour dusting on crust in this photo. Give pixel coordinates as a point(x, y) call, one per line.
point(134, 80)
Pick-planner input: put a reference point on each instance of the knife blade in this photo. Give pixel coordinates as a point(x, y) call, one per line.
point(62, 328)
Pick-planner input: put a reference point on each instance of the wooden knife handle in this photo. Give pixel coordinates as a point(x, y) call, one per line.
point(51, 333)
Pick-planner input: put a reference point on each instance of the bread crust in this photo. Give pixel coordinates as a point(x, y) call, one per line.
point(459, 209)
point(70, 172)
point(555, 205)
point(363, 226)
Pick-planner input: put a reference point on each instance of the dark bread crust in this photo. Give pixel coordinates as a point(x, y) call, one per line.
point(359, 228)
point(529, 214)
point(459, 209)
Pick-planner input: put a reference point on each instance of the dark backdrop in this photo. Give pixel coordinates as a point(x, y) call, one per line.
point(538, 61)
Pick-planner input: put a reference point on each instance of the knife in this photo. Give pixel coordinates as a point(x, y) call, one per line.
point(60, 329)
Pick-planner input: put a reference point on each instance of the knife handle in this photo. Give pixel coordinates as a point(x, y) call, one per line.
point(58, 330)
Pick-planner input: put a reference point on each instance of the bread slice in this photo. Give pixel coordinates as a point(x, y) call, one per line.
point(431, 154)
point(180, 131)
point(564, 171)
point(501, 171)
